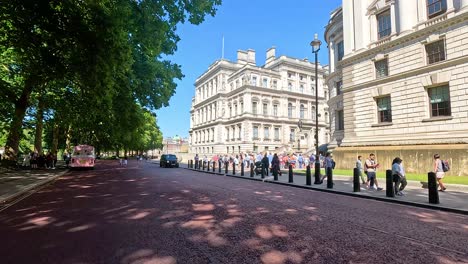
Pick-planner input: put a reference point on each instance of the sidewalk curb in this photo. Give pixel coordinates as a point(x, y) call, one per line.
point(33, 187)
point(357, 195)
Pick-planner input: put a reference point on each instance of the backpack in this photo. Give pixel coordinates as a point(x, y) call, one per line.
point(445, 165)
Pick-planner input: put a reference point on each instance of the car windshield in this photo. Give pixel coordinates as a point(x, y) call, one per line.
point(171, 157)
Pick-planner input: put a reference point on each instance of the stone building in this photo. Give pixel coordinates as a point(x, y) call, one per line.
point(241, 107)
point(334, 39)
point(405, 74)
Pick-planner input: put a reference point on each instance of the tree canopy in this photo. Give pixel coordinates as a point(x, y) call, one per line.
point(89, 71)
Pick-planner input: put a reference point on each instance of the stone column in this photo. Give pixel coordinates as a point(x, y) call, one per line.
point(393, 18)
point(406, 15)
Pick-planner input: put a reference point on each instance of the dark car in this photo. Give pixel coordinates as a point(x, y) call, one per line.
point(168, 160)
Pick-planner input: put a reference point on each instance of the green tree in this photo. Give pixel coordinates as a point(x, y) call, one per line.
point(96, 49)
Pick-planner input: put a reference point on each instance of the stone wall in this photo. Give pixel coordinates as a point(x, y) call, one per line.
point(416, 158)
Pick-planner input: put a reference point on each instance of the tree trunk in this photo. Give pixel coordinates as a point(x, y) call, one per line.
point(68, 140)
point(39, 126)
point(12, 144)
point(55, 138)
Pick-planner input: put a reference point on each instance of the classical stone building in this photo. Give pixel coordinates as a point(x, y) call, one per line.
point(241, 107)
point(334, 39)
point(405, 75)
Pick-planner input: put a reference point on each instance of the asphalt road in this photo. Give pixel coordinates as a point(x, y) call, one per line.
point(147, 214)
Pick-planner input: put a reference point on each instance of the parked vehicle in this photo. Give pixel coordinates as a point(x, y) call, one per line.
point(169, 160)
point(83, 157)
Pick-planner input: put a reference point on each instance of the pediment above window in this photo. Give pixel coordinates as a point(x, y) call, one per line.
point(378, 6)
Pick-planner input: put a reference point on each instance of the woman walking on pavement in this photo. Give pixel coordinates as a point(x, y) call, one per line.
point(439, 171)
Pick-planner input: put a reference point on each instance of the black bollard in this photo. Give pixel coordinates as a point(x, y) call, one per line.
point(308, 176)
point(390, 192)
point(317, 173)
point(226, 164)
point(200, 164)
point(291, 177)
point(204, 164)
point(220, 165)
point(356, 180)
point(214, 166)
point(432, 188)
point(329, 172)
point(196, 164)
point(242, 168)
point(207, 166)
point(275, 173)
point(233, 168)
point(251, 171)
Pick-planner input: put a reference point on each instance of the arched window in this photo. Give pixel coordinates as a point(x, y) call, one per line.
point(302, 109)
point(290, 109)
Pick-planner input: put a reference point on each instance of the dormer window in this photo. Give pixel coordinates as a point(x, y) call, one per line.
point(436, 7)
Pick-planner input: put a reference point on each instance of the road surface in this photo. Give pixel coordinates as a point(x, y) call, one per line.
point(147, 214)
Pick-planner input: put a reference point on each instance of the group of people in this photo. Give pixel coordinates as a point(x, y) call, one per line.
point(249, 159)
point(40, 161)
point(369, 168)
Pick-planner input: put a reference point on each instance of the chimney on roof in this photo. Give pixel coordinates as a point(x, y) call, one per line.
point(251, 56)
point(270, 55)
point(242, 57)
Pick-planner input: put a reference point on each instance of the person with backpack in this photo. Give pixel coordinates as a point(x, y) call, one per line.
point(439, 170)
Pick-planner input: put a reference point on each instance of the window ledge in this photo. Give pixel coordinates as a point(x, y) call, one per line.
point(437, 118)
point(382, 124)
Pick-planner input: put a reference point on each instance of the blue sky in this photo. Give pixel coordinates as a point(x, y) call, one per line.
point(255, 24)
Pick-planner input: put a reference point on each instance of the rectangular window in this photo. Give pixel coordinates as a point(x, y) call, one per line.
point(435, 51)
point(340, 50)
point(255, 132)
point(290, 86)
point(301, 88)
point(230, 111)
point(275, 110)
point(235, 110)
point(254, 108)
point(242, 108)
point(384, 24)
point(275, 84)
point(381, 68)
point(384, 109)
point(265, 82)
point(265, 109)
point(301, 77)
point(292, 135)
point(277, 133)
point(266, 132)
point(439, 98)
point(339, 120)
point(290, 75)
point(312, 89)
point(338, 85)
point(254, 80)
point(436, 7)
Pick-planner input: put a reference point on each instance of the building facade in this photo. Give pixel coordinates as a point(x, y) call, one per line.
point(334, 39)
point(405, 75)
point(241, 107)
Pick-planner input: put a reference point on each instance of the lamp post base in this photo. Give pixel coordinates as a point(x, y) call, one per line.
point(317, 173)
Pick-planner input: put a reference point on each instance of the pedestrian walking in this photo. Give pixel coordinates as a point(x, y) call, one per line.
point(398, 174)
point(328, 163)
point(275, 164)
point(360, 169)
point(439, 171)
point(125, 161)
point(265, 164)
point(370, 168)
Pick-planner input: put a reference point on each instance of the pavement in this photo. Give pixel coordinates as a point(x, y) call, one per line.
point(18, 183)
point(454, 199)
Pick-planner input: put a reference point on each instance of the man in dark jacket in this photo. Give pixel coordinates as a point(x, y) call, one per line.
point(265, 164)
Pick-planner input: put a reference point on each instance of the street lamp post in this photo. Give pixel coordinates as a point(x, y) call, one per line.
point(315, 49)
